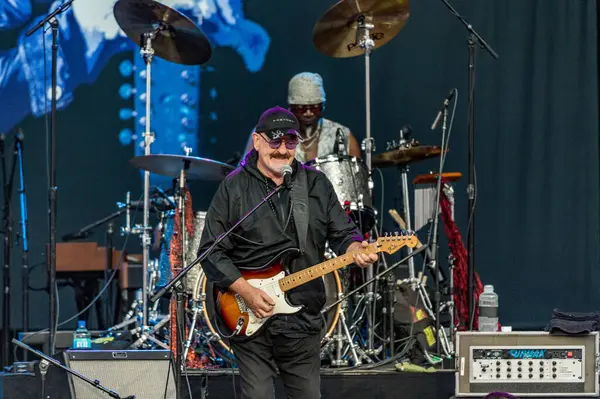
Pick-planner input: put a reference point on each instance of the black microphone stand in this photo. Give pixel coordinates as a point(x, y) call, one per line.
point(52, 189)
point(434, 235)
point(473, 39)
point(24, 233)
point(7, 182)
point(175, 284)
point(47, 359)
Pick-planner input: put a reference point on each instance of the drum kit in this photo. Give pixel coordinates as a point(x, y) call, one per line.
point(353, 326)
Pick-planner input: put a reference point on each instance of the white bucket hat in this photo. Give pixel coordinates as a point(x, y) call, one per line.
point(306, 88)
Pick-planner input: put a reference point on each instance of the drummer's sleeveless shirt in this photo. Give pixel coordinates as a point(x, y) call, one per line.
point(326, 139)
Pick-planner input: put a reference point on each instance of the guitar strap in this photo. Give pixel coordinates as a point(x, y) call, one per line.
point(300, 206)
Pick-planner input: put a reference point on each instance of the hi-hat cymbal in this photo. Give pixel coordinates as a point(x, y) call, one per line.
point(335, 33)
point(171, 166)
point(177, 38)
point(403, 156)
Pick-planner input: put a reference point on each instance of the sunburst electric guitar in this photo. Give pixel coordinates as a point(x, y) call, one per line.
point(272, 279)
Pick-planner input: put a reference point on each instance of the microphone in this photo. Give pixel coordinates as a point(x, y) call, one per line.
point(339, 148)
point(286, 171)
point(165, 196)
point(76, 236)
point(439, 114)
point(19, 136)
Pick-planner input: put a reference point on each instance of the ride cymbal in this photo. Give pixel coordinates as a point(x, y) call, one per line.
point(171, 165)
point(177, 38)
point(335, 34)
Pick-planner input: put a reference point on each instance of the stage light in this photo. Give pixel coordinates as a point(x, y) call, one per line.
point(186, 99)
point(126, 113)
point(126, 68)
point(126, 90)
point(126, 136)
point(185, 111)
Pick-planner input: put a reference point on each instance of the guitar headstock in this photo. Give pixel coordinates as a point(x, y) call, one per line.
point(392, 243)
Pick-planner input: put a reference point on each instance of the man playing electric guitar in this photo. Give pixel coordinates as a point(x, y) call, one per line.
point(303, 218)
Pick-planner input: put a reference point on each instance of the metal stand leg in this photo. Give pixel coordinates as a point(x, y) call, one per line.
point(197, 308)
point(147, 52)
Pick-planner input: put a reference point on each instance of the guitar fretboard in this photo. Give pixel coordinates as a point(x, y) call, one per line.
point(321, 269)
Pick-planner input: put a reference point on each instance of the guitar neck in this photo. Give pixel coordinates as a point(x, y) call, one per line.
point(304, 276)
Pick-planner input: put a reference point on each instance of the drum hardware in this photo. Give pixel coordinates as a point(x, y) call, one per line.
point(388, 314)
point(196, 168)
point(370, 351)
point(159, 29)
point(341, 338)
point(147, 334)
point(122, 11)
point(411, 152)
point(404, 140)
point(354, 28)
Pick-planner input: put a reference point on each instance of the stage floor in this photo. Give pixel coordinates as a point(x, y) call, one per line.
point(347, 385)
point(380, 384)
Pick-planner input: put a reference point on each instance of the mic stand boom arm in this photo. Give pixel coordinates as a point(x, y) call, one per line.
point(94, 383)
point(175, 283)
point(85, 231)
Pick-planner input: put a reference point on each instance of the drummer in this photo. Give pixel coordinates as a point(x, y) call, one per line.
point(319, 136)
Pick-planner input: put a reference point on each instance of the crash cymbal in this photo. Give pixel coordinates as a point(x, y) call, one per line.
point(171, 166)
point(403, 156)
point(177, 38)
point(335, 33)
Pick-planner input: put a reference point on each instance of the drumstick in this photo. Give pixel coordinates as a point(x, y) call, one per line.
point(398, 219)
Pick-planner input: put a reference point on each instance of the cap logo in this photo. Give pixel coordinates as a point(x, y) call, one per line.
point(284, 120)
point(275, 134)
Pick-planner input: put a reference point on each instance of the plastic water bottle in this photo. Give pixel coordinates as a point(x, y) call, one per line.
point(82, 338)
point(488, 309)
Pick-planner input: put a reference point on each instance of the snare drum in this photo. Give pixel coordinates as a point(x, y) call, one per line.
point(350, 179)
point(205, 293)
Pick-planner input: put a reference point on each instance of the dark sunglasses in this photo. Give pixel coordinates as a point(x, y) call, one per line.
point(314, 108)
point(291, 142)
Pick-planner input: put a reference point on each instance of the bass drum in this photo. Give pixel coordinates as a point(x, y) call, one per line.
point(205, 293)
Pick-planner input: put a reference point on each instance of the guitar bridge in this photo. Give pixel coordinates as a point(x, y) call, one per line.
point(241, 304)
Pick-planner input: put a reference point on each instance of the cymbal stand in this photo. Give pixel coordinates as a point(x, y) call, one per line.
point(147, 52)
point(179, 290)
point(406, 200)
point(364, 40)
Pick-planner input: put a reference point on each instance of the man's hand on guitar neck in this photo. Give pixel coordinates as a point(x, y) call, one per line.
point(257, 300)
point(362, 259)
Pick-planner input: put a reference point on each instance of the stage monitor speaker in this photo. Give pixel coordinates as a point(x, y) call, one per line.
point(526, 364)
point(147, 374)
